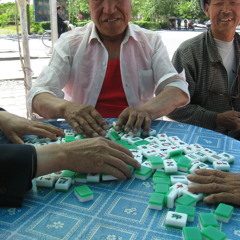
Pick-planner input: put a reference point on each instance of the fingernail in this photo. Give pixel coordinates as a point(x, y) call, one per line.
point(95, 135)
point(105, 127)
point(103, 133)
point(126, 129)
point(135, 130)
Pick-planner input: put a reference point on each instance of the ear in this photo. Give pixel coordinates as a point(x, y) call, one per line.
point(207, 10)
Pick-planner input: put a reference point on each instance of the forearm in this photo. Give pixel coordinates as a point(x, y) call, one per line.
point(195, 115)
point(49, 106)
point(165, 102)
point(51, 158)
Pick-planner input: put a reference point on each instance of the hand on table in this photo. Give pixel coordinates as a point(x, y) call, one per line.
point(134, 120)
point(92, 155)
point(85, 120)
point(222, 186)
point(14, 127)
point(230, 120)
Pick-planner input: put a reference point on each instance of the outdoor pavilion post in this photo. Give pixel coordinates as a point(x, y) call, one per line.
point(53, 19)
point(26, 64)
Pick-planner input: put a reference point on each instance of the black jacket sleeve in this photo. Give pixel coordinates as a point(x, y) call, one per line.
point(18, 165)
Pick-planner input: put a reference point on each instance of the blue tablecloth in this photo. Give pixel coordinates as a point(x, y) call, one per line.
point(119, 210)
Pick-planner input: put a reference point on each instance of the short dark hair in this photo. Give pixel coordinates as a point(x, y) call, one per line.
point(202, 3)
point(59, 7)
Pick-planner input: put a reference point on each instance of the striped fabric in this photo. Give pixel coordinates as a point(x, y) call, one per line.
point(205, 74)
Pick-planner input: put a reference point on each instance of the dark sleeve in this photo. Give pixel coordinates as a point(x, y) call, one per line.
point(18, 165)
point(60, 21)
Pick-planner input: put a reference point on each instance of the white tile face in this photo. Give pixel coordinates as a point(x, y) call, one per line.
point(176, 219)
point(221, 165)
point(45, 181)
point(178, 178)
point(150, 152)
point(63, 183)
point(159, 135)
point(227, 157)
point(93, 177)
point(197, 147)
point(133, 140)
point(214, 157)
point(170, 165)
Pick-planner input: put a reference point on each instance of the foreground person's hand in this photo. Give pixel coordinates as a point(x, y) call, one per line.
point(93, 155)
point(14, 127)
point(222, 186)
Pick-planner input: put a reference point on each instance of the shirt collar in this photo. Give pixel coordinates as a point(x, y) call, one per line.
point(129, 33)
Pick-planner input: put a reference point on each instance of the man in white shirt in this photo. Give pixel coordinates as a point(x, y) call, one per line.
point(87, 65)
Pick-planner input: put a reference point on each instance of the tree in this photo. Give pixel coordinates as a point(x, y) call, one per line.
point(75, 7)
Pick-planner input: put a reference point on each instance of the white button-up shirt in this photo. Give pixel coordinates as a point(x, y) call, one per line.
point(78, 65)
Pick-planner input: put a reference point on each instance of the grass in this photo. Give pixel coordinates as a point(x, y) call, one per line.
point(9, 29)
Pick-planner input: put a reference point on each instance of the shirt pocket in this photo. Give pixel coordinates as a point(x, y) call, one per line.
point(146, 83)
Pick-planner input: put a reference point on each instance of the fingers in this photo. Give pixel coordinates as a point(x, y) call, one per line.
point(89, 123)
point(134, 120)
point(222, 197)
point(122, 153)
point(206, 177)
point(208, 188)
point(45, 130)
point(14, 138)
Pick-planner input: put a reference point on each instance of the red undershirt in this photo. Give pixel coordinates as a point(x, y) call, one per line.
point(112, 99)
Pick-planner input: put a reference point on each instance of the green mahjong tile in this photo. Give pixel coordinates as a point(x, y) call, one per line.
point(68, 173)
point(143, 171)
point(186, 200)
point(175, 153)
point(157, 199)
point(142, 142)
point(69, 138)
point(191, 233)
point(212, 233)
point(207, 219)
point(160, 174)
point(189, 210)
point(165, 180)
point(83, 191)
point(183, 162)
point(114, 135)
point(161, 188)
point(224, 210)
point(156, 161)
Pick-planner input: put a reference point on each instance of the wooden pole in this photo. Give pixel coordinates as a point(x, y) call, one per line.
point(25, 46)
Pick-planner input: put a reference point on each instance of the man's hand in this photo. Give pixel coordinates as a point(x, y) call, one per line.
point(230, 120)
point(222, 186)
point(134, 120)
point(92, 155)
point(14, 127)
point(85, 120)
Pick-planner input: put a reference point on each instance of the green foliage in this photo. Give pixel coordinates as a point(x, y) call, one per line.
point(75, 7)
point(151, 14)
point(4, 20)
point(148, 25)
point(7, 13)
point(82, 23)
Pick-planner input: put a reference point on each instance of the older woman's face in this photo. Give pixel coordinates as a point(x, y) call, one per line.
point(111, 17)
